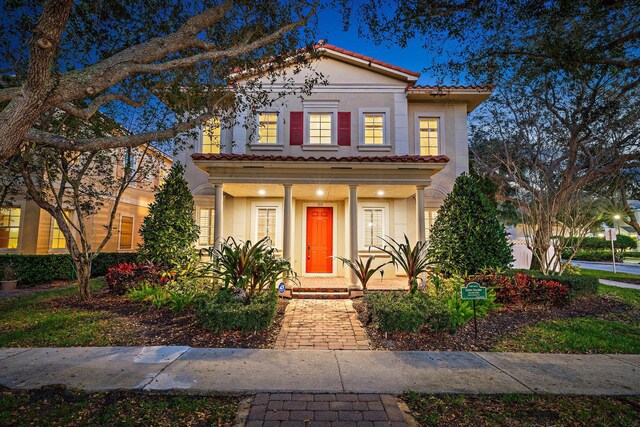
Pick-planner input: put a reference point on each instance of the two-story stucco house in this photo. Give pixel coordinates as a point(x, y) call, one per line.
point(367, 156)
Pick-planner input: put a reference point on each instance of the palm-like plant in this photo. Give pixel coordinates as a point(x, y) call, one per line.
point(363, 270)
point(250, 267)
point(413, 260)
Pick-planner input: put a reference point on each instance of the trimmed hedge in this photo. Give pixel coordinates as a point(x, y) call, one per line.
point(578, 285)
point(225, 312)
point(35, 269)
point(595, 243)
point(602, 255)
point(402, 311)
point(631, 254)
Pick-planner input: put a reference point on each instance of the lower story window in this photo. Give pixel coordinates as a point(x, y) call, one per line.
point(57, 238)
point(125, 233)
point(373, 227)
point(430, 216)
point(205, 221)
point(267, 224)
point(9, 227)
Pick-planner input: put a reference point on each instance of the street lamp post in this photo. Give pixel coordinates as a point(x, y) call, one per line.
point(617, 220)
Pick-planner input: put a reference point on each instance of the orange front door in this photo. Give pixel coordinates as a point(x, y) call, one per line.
point(319, 240)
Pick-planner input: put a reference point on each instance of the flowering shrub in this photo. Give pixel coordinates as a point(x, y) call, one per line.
point(127, 275)
point(522, 290)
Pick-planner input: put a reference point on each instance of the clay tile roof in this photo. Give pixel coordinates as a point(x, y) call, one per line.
point(347, 159)
point(479, 88)
point(366, 58)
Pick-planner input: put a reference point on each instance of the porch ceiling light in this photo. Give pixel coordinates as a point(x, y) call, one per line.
point(616, 217)
point(600, 234)
point(320, 192)
point(380, 192)
point(262, 192)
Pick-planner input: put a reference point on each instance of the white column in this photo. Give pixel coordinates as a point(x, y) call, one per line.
point(353, 227)
point(217, 215)
point(288, 226)
point(420, 212)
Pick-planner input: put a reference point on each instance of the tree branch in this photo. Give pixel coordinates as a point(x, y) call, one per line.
point(88, 112)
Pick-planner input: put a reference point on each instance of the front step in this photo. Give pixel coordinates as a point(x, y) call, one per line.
point(320, 295)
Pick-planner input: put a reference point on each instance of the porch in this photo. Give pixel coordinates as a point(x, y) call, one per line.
point(317, 209)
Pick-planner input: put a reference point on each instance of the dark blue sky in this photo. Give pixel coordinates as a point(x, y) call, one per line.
point(414, 57)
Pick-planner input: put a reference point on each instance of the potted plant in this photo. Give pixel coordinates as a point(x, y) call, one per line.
point(9, 278)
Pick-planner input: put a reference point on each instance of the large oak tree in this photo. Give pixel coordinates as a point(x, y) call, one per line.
point(160, 67)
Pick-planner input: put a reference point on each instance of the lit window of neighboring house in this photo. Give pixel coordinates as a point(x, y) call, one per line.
point(125, 232)
point(430, 216)
point(266, 224)
point(57, 238)
point(205, 221)
point(319, 128)
point(9, 227)
point(211, 137)
point(268, 128)
point(429, 136)
point(374, 129)
point(373, 227)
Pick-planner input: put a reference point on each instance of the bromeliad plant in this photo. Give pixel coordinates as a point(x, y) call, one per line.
point(363, 270)
point(250, 267)
point(414, 260)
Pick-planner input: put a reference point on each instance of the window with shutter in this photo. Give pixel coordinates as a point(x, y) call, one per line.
point(320, 128)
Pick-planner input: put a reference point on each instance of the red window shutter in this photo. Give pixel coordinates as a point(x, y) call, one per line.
point(344, 128)
point(296, 128)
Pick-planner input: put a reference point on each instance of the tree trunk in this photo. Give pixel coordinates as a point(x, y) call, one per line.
point(83, 270)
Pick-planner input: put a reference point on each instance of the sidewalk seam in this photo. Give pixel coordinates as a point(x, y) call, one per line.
point(335, 356)
point(164, 368)
point(506, 373)
point(15, 354)
point(613, 356)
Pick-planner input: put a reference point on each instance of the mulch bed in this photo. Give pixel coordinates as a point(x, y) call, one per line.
point(146, 325)
point(491, 330)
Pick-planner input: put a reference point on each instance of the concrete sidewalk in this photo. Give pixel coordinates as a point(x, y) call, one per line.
point(249, 370)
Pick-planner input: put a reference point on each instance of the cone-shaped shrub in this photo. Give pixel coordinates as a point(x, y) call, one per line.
point(467, 235)
point(170, 231)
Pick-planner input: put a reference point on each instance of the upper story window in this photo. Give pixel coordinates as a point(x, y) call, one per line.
point(9, 227)
point(211, 140)
point(429, 136)
point(267, 128)
point(320, 128)
point(373, 129)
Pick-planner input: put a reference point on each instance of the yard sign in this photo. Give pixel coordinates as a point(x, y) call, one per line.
point(473, 291)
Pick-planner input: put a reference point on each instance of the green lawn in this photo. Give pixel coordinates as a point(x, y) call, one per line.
point(76, 408)
point(608, 275)
point(31, 321)
point(576, 335)
point(582, 334)
point(522, 410)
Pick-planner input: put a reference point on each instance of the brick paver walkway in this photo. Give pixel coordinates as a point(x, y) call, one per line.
point(321, 325)
point(327, 410)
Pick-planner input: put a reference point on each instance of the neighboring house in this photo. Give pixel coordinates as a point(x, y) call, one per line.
point(367, 156)
point(27, 229)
